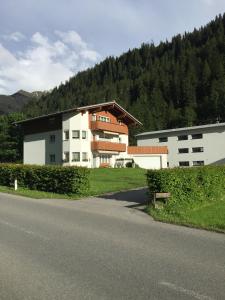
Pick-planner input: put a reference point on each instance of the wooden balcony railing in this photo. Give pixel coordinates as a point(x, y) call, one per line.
point(108, 146)
point(99, 125)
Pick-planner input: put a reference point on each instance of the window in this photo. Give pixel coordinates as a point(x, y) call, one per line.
point(197, 149)
point(182, 137)
point(66, 134)
point(183, 150)
point(84, 156)
point(184, 163)
point(105, 158)
point(75, 156)
point(104, 119)
point(76, 134)
point(52, 158)
point(163, 139)
point(93, 118)
point(198, 163)
point(66, 157)
point(196, 136)
point(52, 138)
point(84, 134)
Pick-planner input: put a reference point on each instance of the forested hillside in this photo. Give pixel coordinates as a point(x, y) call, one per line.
point(177, 83)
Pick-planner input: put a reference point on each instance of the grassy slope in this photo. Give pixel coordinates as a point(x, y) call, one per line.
point(209, 215)
point(101, 181)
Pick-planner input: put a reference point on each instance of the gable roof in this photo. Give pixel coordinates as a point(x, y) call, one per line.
point(112, 106)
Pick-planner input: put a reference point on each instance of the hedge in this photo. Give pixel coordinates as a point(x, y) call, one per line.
point(188, 185)
point(57, 179)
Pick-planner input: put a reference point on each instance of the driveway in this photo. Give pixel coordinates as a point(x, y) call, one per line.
point(103, 248)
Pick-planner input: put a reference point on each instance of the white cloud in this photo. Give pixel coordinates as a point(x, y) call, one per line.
point(44, 63)
point(14, 36)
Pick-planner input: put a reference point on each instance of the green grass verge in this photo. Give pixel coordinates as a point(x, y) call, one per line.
point(208, 215)
point(36, 194)
point(101, 181)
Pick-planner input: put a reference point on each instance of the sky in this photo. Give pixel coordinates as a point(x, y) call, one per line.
point(45, 42)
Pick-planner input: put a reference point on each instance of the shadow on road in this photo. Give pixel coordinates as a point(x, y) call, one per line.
point(136, 196)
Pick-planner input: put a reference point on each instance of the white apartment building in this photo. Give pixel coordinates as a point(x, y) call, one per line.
point(189, 146)
point(90, 136)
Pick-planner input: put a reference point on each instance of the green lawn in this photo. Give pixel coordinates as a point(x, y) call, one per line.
point(111, 180)
point(101, 181)
point(209, 215)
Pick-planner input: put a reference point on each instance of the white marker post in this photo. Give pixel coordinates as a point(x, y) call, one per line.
point(15, 184)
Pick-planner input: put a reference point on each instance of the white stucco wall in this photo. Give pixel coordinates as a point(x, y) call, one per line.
point(37, 148)
point(213, 143)
point(77, 121)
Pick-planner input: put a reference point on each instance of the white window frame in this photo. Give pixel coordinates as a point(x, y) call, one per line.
point(84, 134)
point(84, 156)
point(74, 135)
point(75, 159)
point(66, 156)
point(66, 132)
point(104, 119)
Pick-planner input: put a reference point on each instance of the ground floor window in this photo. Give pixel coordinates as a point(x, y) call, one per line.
point(105, 158)
point(66, 157)
point(198, 163)
point(75, 156)
point(84, 156)
point(184, 163)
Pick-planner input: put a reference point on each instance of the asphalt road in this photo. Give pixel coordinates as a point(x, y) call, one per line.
point(103, 249)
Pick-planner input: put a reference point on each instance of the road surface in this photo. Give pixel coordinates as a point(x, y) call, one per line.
point(103, 248)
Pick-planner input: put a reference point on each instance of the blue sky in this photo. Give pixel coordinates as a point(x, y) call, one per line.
point(45, 42)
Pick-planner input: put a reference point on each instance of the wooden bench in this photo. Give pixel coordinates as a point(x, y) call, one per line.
point(156, 195)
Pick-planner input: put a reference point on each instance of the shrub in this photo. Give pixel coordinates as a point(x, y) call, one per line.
point(57, 179)
point(188, 186)
point(129, 164)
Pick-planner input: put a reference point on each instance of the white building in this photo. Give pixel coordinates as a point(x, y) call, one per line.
point(190, 146)
point(91, 136)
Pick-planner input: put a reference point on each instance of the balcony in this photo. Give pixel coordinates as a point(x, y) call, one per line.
point(106, 126)
point(108, 146)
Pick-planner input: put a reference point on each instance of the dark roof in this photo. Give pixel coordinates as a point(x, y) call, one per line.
point(112, 104)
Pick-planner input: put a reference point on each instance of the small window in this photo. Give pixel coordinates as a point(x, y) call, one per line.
point(183, 150)
point(182, 137)
point(84, 156)
point(184, 163)
point(93, 117)
point(84, 134)
point(66, 134)
point(197, 149)
point(66, 157)
point(52, 158)
point(104, 119)
point(196, 136)
point(52, 138)
point(76, 156)
point(198, 163)
point(163, 139)
point(76, 134)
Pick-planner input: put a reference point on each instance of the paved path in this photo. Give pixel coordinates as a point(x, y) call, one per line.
point(103, 248)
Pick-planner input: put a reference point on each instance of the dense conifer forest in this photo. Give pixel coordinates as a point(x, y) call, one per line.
point(176, 83)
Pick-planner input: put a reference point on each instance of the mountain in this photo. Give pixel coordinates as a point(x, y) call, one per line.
point(16, 101)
